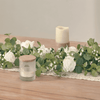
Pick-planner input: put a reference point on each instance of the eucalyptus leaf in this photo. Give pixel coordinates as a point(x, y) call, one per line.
point(18, 47)
point(39, 43)
point(7, 34)
point(38, 72)
point(41, 61)
point(43, 70)
point(16, 62)
point(7, 40)
point(85, 73)
point(12, 41)
point(78, 69)
point(25, 51)
point(98, 68)
point(79, 61)
point(87, 56)
point(89, 50)
point(78, 46)
point(90, 42)
point(94, 73)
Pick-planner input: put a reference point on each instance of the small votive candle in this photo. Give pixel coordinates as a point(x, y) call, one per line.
point(27, 67)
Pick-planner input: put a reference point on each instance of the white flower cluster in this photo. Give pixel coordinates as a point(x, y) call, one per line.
point(68, 50)
point(25, 44)
point(44, 50)
point(69, 64)
point(9, 56)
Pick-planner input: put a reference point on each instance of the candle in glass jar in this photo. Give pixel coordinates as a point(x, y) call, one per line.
point(62, 34)
point(27, 67)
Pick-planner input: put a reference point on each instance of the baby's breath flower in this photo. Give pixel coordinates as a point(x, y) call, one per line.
point(51, 64)
point(55, 66)
point(91, 62)
point(54, 62)
point(80, 54)
point(57, 56)
point(96, 58)
point(94, 50)
point(96, 54)
point(97, 51)
point(82, 50)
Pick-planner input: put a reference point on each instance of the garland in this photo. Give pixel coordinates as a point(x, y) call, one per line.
point(65, 59)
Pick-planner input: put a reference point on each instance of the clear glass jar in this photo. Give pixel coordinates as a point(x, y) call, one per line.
point(27, 69)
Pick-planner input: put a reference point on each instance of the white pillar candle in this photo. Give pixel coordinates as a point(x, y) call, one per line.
point(62, 34)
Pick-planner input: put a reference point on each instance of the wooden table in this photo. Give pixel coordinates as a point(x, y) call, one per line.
point(46, 87)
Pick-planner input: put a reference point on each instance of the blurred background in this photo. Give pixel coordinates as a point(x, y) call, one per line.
point(39, 18)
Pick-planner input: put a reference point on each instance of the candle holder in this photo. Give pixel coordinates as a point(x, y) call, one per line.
point(27, 67)
point(58, 45)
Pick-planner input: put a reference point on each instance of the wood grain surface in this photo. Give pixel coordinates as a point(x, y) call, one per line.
point(46, 87)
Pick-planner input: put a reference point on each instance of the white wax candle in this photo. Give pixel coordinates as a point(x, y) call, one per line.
point(62, 34)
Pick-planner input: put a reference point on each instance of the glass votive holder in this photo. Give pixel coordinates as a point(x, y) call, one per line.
point(27, 67)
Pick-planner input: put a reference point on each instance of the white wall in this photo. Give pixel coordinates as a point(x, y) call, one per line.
point(38, 18)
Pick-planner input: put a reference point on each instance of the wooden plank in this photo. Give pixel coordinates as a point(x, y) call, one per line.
point(49, 87)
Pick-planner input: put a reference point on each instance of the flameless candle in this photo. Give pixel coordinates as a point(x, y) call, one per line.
point(62, 36)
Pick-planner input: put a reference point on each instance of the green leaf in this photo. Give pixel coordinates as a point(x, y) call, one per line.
point(90, 42)
point(78, 69)
point(12, 41)
point(7, 34)
point(95, 46)
point(8, 45)
point(59, 67)
point(78, 46)
point(18, 47)
point(9, 65)
point(87, 56)
point(39, 43)
point(44, 70)
point(79, 61)
point(38, 72)
point(99, 50)
point(49, 56)
point(94, 73)
point(85, 73)
point(36, 54)
point(89, 50)
point(16, 62)
point(98, 68)
point(76, 56)
point(14, 38)
point(93, 65)
point(7, 40)
point(85, 64)
point(25, 51)
point(41, 61)
point(47, 63)
point(3, 47)
point(38, 64)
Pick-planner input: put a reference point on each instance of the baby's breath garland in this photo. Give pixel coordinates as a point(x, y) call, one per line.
point(65, 59)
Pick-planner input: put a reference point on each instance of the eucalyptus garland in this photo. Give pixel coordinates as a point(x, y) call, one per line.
point(84, 58)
